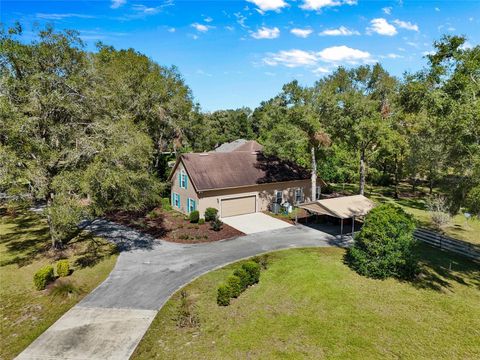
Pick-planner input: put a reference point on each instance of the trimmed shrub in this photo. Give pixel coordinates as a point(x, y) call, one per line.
point(201, 221)
point(216, 225)
point(235, 285)
point(194, 216)
point(63, 268)
point(385, 245)
point(261, 260)
point(223, 295)
point(43, 276)
point(243, 276)
point(165, 202)
point(210, 214)
point(253, 271)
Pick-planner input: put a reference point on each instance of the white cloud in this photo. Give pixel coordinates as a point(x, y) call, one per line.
point(437, 9)
point(392, 56)
point(406, 25)
point(267, 5)
point(320, 70)
point(172, 30)
point(229, 28)
point(301, 32)
point(425, 53)
point(331, 55)
point(318, 4)
point(241, 19)
point(341, 31)
point(117, 3)
point(387, 10)
point(343, 53)
point(208, 19)
point(291, 58)
point(200, 27)
point(382, 27)
point(266, 33)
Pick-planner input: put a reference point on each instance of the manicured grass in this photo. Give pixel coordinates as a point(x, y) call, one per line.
point(459, 228)
point(24, 247)
point(309, 305)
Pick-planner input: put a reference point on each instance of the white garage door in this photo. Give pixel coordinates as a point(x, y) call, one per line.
point(238, 206)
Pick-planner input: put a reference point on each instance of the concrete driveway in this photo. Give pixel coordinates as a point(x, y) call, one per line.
point(110, 322)
point(255, 223)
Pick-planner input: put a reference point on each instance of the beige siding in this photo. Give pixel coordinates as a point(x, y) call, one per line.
point(265, 194)
point(189, 192)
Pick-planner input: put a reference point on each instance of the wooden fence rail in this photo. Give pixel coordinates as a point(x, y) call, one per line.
point(448, 243)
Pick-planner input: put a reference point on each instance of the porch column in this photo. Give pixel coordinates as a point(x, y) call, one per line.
point(341, 228)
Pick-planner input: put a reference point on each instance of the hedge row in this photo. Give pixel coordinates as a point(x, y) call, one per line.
point(247, 275)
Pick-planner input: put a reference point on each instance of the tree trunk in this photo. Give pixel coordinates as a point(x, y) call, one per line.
point(314, 175)
point(430, 185)
point(362, 172)
point(396, 178)
point(49, 221)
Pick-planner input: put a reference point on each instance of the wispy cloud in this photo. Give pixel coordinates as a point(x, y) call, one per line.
point(269, 5)
point(201, 27)
point(303, 33)
point(208, 19)
point(319, 4)
point(387, 10)
point(266, 33)
point(117, 3)
point(341, 31)
point(406, 25)
point(146, 10)
point(391, 56)
point(291, 58)
point(382, 27)
point(57, 16)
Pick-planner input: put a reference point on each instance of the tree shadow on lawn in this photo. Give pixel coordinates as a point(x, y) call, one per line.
point(441, 269)
point(27, 238)
point(94, 252)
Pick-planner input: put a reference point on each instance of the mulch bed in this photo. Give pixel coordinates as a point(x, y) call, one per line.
point(172, 226)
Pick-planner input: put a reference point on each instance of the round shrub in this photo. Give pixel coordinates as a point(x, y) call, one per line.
point(243, 276)
point(63, 268)
point(210, 214)
point(235, 285)
point(194, 216)
point(223, 295)
point(385, 245)
point(253, 271)
point(43, 276)
point(201, 221)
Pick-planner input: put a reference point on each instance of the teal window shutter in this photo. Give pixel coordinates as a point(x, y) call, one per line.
point(188, 205)
point(186, 180)
point(173, 199)
point(180, 179)
point(194, 205)
point(179, 200)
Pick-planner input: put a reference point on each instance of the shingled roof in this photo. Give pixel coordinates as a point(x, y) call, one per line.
point(220, 170)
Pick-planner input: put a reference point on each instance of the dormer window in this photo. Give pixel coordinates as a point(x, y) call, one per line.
point(183, 179)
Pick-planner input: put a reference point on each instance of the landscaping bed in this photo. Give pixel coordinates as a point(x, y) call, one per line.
point(25, 312)
point(325, 311)
point(172, 226)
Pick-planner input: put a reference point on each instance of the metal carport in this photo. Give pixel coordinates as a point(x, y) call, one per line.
point(343, 207)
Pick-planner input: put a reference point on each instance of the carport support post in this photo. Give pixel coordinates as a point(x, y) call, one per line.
point(341, 228)
point(353, 227)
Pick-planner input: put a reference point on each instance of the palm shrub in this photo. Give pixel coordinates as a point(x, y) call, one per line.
point(43, 276)
point(235, 285)
point(194, 216)
point(253, 271)
point(63, 268)
point(223, 295)
point(210, 214)
point(385, 245)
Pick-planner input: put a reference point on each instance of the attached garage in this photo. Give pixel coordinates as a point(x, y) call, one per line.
point(238, 206)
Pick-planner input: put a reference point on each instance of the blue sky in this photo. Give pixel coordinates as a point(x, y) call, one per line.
point(238, 53)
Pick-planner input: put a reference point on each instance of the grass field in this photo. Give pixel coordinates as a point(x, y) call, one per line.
point(309, 305)
point(458, 228)
point(25, 312)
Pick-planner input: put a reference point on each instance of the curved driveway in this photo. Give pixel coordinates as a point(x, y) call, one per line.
point(110, 321)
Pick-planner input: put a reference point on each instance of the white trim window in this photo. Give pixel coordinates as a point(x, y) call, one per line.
point(183, 179)
point(318, 192)
point(192, 205)
point(298, 195)
point(176, 200)
point(278, 196)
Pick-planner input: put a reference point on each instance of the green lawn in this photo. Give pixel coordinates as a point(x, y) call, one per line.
point(309, 305)
point(25, 312)
point(459, 228)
